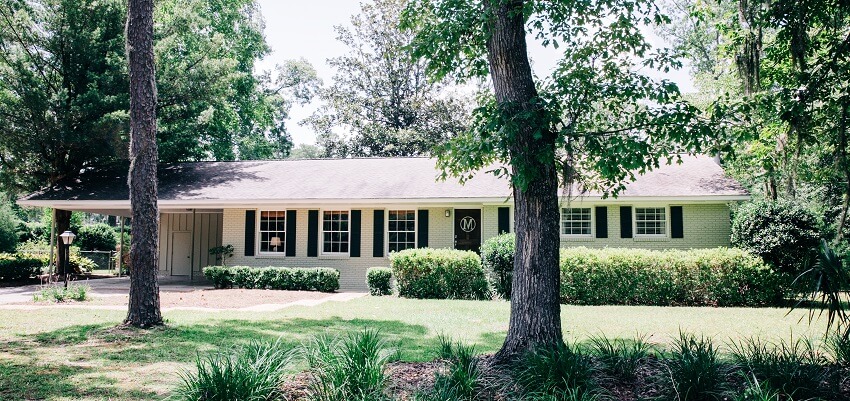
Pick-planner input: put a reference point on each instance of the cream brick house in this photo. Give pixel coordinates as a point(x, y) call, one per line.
point(349, 214)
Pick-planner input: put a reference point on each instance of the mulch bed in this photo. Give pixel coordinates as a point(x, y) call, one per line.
point(409, 378)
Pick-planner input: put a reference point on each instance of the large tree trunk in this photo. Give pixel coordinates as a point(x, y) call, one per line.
point(144, 289)
point(62, 219)
point(535, 311)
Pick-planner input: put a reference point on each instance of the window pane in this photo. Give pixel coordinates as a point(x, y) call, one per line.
point(401, 230)
point(575, 221)
point(272, 231)
point(335, 231)
point(651, 221)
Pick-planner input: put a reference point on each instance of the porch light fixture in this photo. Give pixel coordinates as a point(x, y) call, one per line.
point(274, 242)
point(448, 213)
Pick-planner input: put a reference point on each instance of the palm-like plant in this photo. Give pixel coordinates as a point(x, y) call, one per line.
point(831, 279)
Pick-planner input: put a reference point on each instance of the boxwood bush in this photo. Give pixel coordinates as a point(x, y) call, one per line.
point(18, 266)
point(497, 255)
point(699, 277)
point(274, 278)
point(379, 280)
point(439, 273)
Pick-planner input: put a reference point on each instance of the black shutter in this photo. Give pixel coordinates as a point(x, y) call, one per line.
point(354, 248)
point(250, 231)
point(601, 221)
point(625, 221)
point(290, 232)
point(378, 234)
point(422, 234)
point(504, 220)
point(312, 233)
point(677, 229)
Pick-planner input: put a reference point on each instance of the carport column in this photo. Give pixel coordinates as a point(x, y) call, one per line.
point(62, 220)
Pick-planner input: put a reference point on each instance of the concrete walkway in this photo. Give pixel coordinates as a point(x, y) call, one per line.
point(114, 287)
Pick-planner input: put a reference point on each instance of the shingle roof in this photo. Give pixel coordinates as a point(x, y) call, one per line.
point(363, 179)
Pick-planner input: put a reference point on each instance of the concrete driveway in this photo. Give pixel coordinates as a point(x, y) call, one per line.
point(107, 287)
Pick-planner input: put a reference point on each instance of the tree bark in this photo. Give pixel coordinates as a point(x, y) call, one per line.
point(63, 223)
point(535, 319)
point(143, 308)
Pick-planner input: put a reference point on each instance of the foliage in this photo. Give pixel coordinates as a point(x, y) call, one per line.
point(497, 256)
point(439, 273)
point(696, 372)
point(58, 293)
point(565, 369)
point(381, 95)
point(784, 234)
point(221, 253)
point(379, 280)
point(461, 380)
point(621, 276)
point(9, 223)
point(838, 345)
point(796, 369)
point(97, 237)
point(253, 373)
point(757, 391)
point(349, 368)
point(14, 267)
point(80, 264)
point(65, 62)
point(274, 278)
point(619, 357)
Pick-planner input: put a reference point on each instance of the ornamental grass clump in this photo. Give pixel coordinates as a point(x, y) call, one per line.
point(794, 368)
point(695, 371)
point(351, 368)
point(563, 372)
point(462, 377)
point(253, 373)
point(620, 357)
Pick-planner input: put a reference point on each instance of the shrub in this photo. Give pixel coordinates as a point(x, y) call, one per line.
point(439, 273)
point(379, 280)
point(57, 293)
point(97, 237)
point(9, 223)
point(351, 368)
point(276, 278)
point(796, 369)
point(715, 277)
point(17, 266)
point(783, 234)
point(497, 256)
point(695, 370)
point(561, 371)
point(254, 373)
point(80, 264)
point(221, 276)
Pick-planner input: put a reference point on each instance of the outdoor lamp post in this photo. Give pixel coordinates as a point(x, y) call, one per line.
point(67, 239)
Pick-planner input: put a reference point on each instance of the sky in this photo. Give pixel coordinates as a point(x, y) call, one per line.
point(305, 29)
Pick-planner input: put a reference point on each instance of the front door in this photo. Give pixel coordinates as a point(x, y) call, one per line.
point(468, 229)
point(181, 253)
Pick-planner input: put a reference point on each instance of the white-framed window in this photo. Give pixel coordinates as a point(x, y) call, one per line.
point(401, 230)
point(576, 221)
point(651, 221)
point(335, 231)
point(272, 231)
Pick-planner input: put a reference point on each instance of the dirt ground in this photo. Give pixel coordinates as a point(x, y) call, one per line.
point(214, 299)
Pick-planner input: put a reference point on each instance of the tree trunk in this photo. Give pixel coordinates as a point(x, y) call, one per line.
point(62, 219)
point(535, 311)
point(144, 290)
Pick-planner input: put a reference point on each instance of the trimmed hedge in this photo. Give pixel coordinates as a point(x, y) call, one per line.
point(439, 273)
point(497, 255)
point(699, 277)
point(274, 278)
point(379, 280)
point(17, 266)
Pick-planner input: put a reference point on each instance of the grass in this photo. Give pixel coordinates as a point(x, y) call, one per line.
point(65, 354)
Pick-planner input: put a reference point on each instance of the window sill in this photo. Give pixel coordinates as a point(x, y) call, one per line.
point(267, 256)
point(652, 239)
point(334, 256)
point(576, 238)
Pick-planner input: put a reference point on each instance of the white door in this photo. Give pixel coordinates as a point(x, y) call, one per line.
point(181, 254)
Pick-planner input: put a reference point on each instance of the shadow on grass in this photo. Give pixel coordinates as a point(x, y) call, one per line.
point(36, 382)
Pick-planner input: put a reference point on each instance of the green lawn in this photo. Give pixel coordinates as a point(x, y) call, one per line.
point(68, 354)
